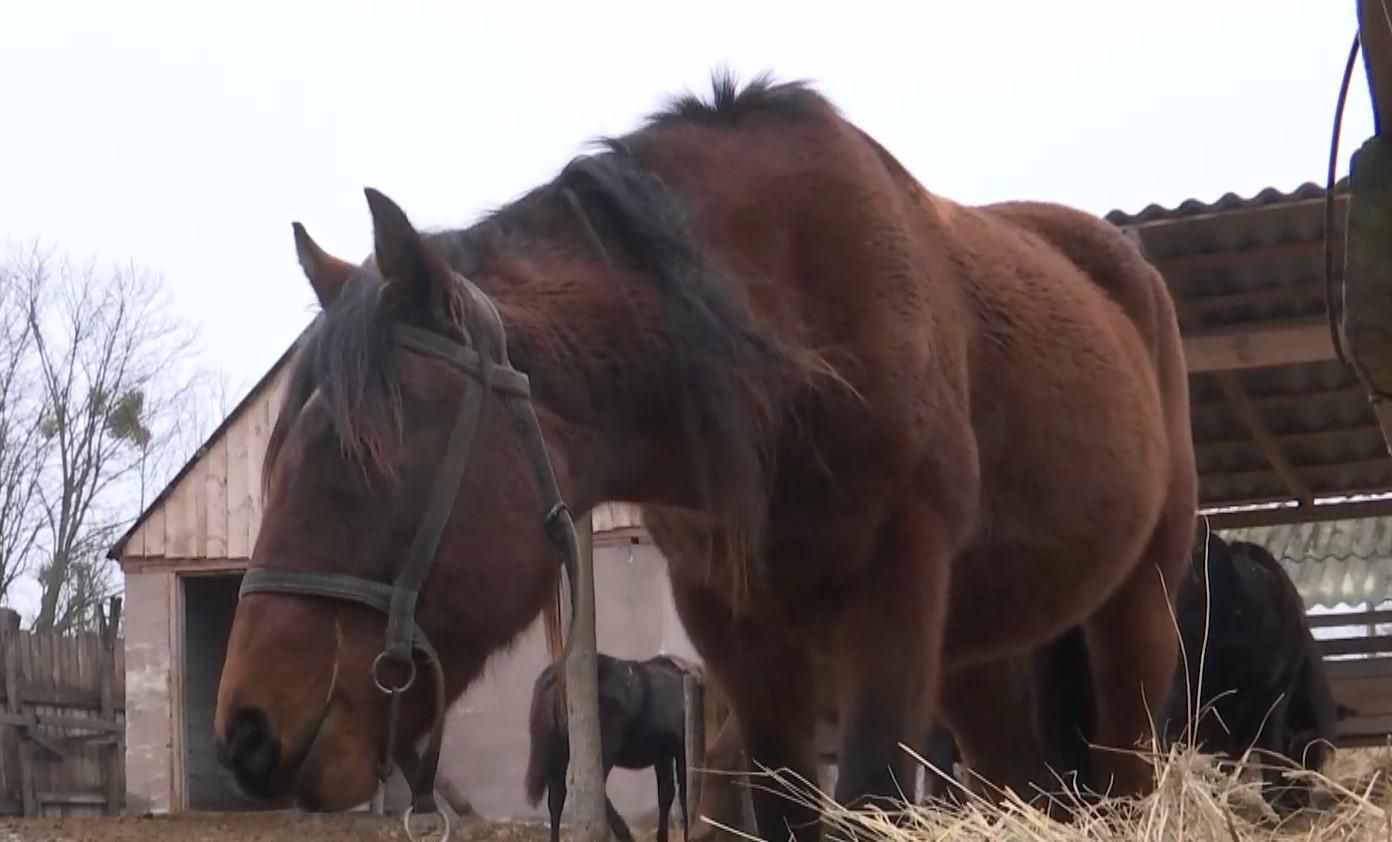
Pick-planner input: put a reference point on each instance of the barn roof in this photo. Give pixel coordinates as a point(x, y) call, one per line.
point(1278, 422)
point(1332, 563)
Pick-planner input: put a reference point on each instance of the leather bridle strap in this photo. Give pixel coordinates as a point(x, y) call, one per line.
point(438, 506)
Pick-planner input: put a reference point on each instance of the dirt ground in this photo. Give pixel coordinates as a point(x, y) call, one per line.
point(264, 827)
point(1355, 769)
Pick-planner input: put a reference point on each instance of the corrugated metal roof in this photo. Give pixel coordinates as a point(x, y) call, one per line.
point(1337, 562)
point(1241, 265)
point(1227, 203)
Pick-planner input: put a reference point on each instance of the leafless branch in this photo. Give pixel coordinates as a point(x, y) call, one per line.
point(111, 404)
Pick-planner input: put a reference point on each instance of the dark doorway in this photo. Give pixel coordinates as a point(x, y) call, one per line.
point(209, 602)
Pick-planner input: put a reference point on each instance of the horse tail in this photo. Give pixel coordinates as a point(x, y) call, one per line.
point(547, 732)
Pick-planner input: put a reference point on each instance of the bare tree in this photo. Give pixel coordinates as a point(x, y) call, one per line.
point(115, 391)
point(23, 449)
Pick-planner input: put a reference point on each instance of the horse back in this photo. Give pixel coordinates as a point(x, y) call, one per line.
point(1106, 256)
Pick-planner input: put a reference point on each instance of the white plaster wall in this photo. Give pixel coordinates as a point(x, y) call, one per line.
point(486, 741)
point(149, 687)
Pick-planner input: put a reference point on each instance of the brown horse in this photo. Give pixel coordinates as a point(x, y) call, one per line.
point(865, 423)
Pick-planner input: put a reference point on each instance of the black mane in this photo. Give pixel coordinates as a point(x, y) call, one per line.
point(719, 370)
point(730, 103)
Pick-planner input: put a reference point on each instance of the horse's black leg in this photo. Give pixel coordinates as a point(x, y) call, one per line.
point(555, 800)
point(616, 822)
point(681, 789)
point(666, 791)
point(1282, 792)
point(939, 749)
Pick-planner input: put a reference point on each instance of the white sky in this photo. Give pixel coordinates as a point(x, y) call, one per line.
point(187, 136)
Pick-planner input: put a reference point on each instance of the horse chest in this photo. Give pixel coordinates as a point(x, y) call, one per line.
point(819, 547)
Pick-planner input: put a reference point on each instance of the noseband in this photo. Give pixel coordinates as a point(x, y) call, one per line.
point(404, 638)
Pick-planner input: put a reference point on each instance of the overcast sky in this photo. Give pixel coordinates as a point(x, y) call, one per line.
point(187, 136)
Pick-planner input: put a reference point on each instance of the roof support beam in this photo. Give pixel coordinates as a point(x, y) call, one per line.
point(1251, 419)
point(1304, 341)
point(1301, 514)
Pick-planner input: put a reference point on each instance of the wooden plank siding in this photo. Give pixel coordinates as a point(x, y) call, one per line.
point(213, 511)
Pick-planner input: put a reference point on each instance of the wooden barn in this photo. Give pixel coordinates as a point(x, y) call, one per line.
point(1279, 424)
point(183, 560)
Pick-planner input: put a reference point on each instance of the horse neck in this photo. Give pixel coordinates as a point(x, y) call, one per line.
point(596, 352)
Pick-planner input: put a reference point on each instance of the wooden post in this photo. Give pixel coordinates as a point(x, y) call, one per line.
point(747, 801)
point(14, 705)
point(585, 803)
point(112, 755)
point(694, 708)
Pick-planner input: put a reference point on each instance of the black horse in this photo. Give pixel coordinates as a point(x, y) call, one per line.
point(1262, 687)
point(642, 725)
point(1263, 684)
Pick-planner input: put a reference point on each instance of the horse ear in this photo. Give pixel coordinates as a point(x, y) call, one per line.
point(326, 273)
point(403, 257)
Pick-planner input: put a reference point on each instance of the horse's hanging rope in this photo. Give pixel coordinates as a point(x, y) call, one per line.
point(1335, 337)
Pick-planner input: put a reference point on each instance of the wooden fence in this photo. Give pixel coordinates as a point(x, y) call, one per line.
point(1360, 673)
point(62, 744)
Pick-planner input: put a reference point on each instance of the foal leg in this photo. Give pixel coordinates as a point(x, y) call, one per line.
point(666, 791)
point(616, 821)
point(889, 648)
point(555, 801)
point(682, 775)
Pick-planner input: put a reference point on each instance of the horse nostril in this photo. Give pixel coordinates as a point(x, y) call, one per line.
point(249, 747)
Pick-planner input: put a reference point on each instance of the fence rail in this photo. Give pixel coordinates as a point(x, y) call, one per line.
point(62, 724)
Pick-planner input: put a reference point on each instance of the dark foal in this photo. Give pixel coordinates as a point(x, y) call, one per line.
point(1251, 678)
point(642, 725)
point(1263, 685)
point(868, 427)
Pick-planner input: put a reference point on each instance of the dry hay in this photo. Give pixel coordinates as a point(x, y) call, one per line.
point(1195, 799)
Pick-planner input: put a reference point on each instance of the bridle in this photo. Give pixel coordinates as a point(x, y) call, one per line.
point(404, 638)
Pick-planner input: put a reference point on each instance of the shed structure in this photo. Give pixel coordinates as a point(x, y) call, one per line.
point(1284, 435)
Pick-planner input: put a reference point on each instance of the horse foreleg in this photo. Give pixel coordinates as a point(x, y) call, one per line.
point(768, 681)
point(992, 716)
point(889, 649)
point(1133, 652)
